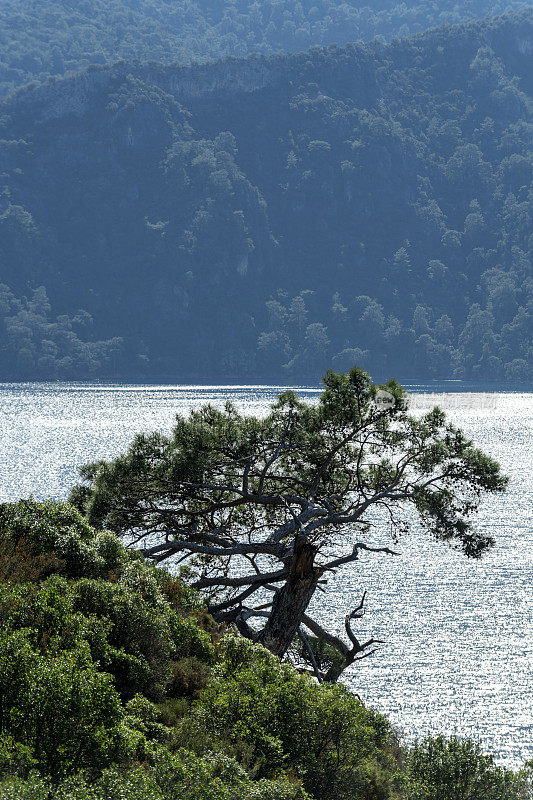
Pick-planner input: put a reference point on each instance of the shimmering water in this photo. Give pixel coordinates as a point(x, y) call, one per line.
point(459, 652)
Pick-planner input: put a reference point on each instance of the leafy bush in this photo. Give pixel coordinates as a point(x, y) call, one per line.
point(280, 720)
point(65, 714)
point(181, 776)
point(143, 635)
point(56, 539)
point(85, 651)
point(456, 769)
point(136, 641)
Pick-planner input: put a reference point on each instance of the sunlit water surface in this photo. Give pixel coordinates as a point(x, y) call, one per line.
point(459, 652)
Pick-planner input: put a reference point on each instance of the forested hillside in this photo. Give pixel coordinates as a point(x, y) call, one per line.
point(41, 38)
point(271, 217)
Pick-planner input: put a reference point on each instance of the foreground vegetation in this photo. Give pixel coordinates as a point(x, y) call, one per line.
point(116, 685)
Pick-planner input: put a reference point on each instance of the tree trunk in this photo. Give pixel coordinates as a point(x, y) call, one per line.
point(291, 599)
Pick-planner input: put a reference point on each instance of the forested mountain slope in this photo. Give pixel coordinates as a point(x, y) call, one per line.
point(40, 38)
point(274, 216)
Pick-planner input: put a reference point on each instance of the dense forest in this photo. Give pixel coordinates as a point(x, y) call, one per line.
point(32, 340)
point(273, 216)
point(42, 38)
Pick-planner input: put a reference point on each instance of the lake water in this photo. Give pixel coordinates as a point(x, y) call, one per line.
point(459, 652)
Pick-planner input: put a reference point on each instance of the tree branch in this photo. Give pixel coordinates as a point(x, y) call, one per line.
point(354, 555)
point(309, 649)
point(244, 580)
point(234, 601)
point(319, 631)
point(265, 548)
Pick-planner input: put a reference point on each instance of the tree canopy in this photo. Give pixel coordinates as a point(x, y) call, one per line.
point(52, 37)
point(276, 505)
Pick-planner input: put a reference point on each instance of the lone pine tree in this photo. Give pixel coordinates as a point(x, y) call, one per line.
point(263, 510)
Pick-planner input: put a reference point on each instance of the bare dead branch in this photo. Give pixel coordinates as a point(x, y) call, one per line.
point(305, 640)
point(354, 555)
point(325, 635)
point(244, 580)
point(266, 548)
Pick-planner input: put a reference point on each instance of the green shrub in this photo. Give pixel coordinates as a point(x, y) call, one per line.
point(144, 636)
point(34, 787)
point(56, 539)
point(45, 611)
point(282, 721)
point(145, 717)
point(181, 776)
point(188, 677)
point(133, 615)
point(443, 768)
point(65, 714)
point(133, 784)
point(135, 637)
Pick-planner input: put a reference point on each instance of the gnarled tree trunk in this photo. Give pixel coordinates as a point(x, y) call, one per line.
point(291, 599)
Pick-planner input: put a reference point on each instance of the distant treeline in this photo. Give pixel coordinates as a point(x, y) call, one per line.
point(55, 37)
point(276, 216)
point(35, 345)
